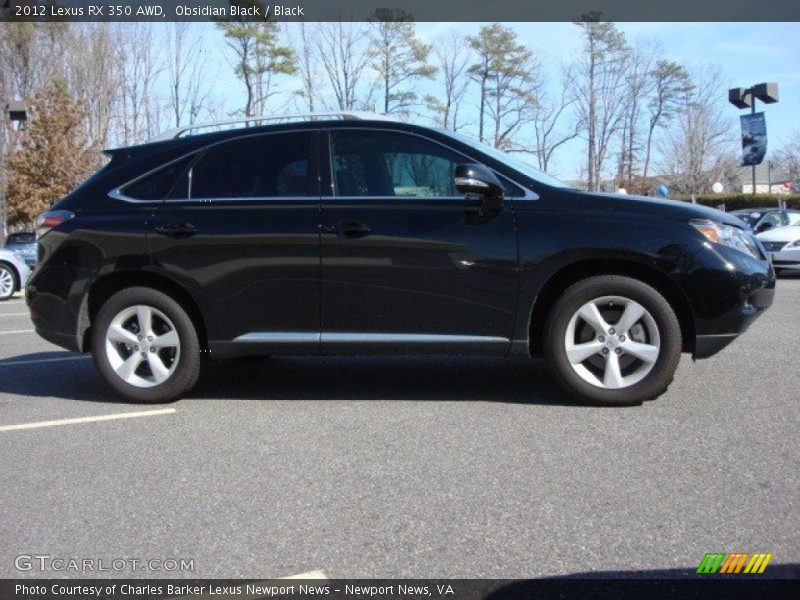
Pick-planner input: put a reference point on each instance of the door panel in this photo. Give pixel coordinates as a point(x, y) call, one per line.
point(406, 265)
point(246, 243)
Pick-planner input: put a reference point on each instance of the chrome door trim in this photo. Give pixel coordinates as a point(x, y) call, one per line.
point(368, 338)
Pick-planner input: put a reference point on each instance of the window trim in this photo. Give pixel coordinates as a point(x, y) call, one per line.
point(118, 194)
point(528, 194)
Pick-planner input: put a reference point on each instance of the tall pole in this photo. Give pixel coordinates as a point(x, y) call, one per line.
point(752, 112)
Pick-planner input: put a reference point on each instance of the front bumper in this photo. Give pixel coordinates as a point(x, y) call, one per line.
point(728, 300)
point(786, 259)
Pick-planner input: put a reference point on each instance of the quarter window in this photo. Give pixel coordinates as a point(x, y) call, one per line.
point(260, 166)
point(170, 181)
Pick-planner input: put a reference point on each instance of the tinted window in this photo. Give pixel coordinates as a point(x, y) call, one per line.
point(253, 167)
point(21, 238)
point(170, 181)
point(376, 163)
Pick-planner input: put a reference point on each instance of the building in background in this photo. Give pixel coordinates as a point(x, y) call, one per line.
point(770, 179)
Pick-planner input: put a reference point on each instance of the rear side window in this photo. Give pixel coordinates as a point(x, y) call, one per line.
point(20, 238)
point(263, 166)
point(170, 181)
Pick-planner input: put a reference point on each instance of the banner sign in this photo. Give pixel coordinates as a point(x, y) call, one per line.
point(754, 139)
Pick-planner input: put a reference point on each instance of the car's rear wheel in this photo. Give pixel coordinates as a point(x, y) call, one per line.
point(613, 340)
point(8, 282)
point(145, 346)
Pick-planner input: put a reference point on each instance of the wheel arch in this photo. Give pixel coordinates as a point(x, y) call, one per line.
point(558, 282)
point(108, 285)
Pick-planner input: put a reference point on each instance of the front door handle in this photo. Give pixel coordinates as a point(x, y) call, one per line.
point(177, 230)
point(348, 229)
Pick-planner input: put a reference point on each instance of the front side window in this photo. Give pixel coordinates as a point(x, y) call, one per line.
point(261, 166)
point(381, 164)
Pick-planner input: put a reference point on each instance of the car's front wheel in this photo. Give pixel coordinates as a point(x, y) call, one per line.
point(613, 340)
point(145, 346)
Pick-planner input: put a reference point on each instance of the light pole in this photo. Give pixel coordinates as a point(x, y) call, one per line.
point(746, 98)
point(14, 111)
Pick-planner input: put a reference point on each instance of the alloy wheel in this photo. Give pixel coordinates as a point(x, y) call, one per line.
point(612, 342)
point(6, 283)
point(142, 346)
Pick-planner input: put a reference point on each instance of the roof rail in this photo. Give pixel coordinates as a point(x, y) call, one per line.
point(258, 121)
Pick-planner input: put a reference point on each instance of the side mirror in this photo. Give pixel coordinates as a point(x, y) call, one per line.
point(477, 181)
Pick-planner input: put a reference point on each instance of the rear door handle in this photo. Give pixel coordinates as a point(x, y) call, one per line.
point(177, 230)
point(348, 229)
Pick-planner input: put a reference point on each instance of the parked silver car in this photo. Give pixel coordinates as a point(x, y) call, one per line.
point(783, 245)
point(13, 273)
point(24, 244)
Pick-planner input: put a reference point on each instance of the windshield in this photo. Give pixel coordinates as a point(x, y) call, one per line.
point(749, 217)
point(509, 159)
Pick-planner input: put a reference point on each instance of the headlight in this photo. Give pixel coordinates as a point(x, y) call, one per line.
point(727, 235)
point(794, 244)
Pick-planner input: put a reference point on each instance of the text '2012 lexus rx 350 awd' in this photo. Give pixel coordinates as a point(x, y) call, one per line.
point(341, 234)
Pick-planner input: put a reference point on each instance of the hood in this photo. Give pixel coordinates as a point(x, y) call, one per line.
point(790, 233)
point(673, 209)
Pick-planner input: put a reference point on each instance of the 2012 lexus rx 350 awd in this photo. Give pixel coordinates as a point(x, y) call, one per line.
point(349, 235)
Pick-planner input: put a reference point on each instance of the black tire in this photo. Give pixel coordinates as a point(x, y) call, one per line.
point(655, 382)
point(188, 368)
point(5, 268)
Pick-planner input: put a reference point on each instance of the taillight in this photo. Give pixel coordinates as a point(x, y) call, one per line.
point(52, 218)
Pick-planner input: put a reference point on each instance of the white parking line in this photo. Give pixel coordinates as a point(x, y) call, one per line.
point(19, 331)
point(16, 315)
point(33, 361)
point(127, 415)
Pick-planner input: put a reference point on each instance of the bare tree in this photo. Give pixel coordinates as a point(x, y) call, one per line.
point(308, 66)
point(788, 158)
point(638, 84)
point(549, 132)
point(188, 84)
point(140, 109)
point(343, 50)
point(32, 55)
point(507, 73)
point(453, 58)
point(697, 146)
point(598, 88)
point(398, 57)
point(95, 71)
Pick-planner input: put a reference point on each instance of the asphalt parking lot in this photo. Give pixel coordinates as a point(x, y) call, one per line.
point(403, 467)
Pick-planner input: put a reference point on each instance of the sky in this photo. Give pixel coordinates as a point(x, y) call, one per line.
point(744, 53)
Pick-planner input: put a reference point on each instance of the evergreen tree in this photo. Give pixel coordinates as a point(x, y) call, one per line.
point(53, 157)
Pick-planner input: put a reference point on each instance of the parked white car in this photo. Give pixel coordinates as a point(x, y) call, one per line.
point(13, 273)
point(783, 245)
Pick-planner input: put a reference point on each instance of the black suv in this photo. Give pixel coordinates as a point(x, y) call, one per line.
point(344, 235)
